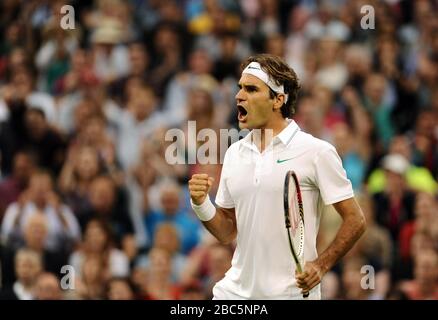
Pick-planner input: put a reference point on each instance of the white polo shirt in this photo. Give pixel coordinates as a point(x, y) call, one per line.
point(252, 183)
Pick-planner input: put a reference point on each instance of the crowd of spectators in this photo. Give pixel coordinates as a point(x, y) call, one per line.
point(84, 112)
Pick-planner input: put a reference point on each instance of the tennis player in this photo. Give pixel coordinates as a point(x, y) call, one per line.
point(249, 201)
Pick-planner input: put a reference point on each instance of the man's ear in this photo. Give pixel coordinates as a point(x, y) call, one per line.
point(278, 101)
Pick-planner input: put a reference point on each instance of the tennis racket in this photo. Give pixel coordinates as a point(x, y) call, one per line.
point(294, 219)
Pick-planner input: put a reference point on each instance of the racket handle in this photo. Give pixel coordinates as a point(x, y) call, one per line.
point(305, 295)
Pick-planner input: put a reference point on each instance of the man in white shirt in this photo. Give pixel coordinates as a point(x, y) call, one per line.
point(40, 198)
point(249, 201)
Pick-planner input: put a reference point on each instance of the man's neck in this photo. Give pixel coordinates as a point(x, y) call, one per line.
point(262, 137)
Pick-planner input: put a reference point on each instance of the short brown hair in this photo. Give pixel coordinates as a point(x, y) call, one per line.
point(282, 74)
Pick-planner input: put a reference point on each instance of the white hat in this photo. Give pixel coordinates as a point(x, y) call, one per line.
point(109, 31)
point(395, 163)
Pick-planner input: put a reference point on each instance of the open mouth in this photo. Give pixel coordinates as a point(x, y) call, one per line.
point(242, 113)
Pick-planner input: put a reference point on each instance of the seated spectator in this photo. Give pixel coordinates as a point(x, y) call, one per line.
point(120, 289)
point(330, 286)
point(98, 243)
point(424, 286)
point(355, 166)
point(159, 284)
point(136, 122)
point(28, 127)
point(35, 235)
point(351, 280)
point(90, 284)
point(11, 187)
point(375, 244)
point(28, 264)
point(426, 208)
point(167, 237)
point(193, 291)
point(208, 262)
point(40, 197)
point(80, 168)
point(418, 178)
point(171, 211)
point(108, 203)
point(395, 205)
point(47, 287)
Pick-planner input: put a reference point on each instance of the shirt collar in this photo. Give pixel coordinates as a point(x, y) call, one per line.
point(285, 136)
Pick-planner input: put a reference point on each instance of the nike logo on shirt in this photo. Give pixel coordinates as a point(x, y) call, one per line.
point(284, 160)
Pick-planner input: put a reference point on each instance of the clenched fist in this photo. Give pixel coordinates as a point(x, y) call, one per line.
point(199, 186)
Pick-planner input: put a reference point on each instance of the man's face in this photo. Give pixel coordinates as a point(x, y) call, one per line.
point(254, 105)
point(40, 186)
point(27, 268)
point(47, 288)
point(23, 167)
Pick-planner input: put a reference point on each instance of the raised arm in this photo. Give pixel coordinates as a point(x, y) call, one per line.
point(220, 222)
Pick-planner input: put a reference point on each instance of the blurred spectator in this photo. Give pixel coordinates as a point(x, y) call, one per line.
point(21, 90)
point(40, 198)
point(167, 237)
point(418, 178)
point(330, 286)
point(331, 72)
point(425, 141)
point(228, 63)
point(111, 58)
point(80, 168)
point(28, 128)
point(90, 285)
point(47, 287)
point(17, 182)
point(52, 58)
point(200, 66)
point(35, 235)
point(193, 291)
point(208, 262)
point(374, 101)
point(140, 62)
point(426, 217)
point(424, 285)
point(166, 57)
point(159, 284)
point(375, 245)
point(108, 203)
point(120, 289)
point(171, 211)
point(353, 163)
point(394, 205)
point(28, 265)
point(352, 280)
point(135, 123)
point(98, 244)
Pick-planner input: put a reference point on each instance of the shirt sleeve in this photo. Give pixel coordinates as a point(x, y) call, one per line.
point(223, 197)
point(331, 178)
point(7, 225)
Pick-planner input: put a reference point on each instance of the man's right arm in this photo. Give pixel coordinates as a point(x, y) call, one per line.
point(220, 222)
point(223, 225)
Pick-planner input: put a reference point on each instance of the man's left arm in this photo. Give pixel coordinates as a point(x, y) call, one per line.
point(352, 227)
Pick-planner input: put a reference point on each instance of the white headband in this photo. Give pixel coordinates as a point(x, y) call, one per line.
point(255, 69)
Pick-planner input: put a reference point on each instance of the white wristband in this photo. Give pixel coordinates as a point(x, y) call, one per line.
point(206, 211)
